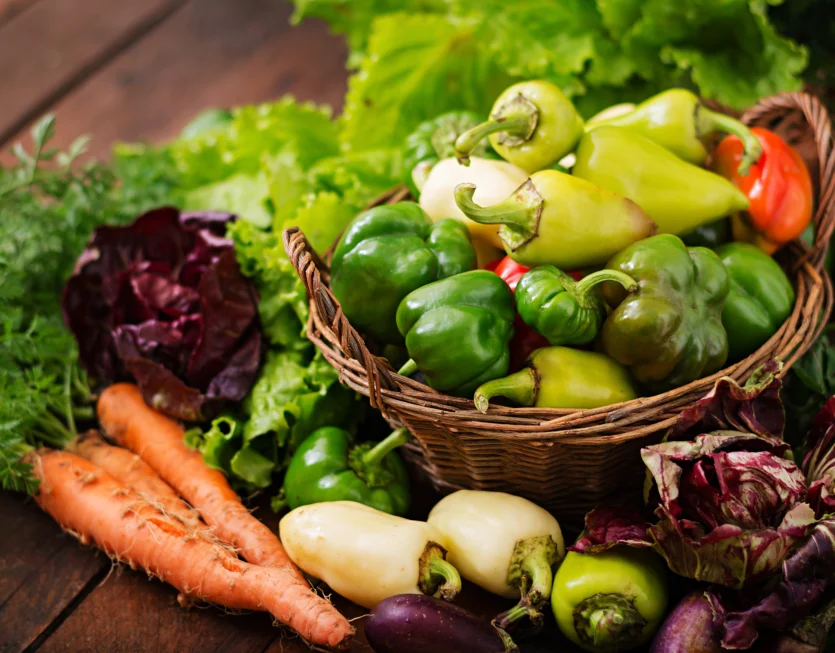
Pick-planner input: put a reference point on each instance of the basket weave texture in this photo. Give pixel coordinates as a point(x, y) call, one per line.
point(570, 461)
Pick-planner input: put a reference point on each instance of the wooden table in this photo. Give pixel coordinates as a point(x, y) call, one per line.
point(129, 70)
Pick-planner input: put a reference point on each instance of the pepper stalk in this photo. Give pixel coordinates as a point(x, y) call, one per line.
point(531, 570)
point(519, 214)
point(515, 121)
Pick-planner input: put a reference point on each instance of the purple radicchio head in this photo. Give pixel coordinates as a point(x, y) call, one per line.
point(731, 506)
point(162, 300)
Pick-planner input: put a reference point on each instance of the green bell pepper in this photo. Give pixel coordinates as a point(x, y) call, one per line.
point(565, 311)
point(329, 467)
point(669, 331)
point(759, 301)
point(458, 331)
point(610, 601)
point(434, 140)
point(386, 253)
point(561, 377)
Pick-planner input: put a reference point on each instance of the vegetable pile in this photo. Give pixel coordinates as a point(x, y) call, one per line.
point(550, 258)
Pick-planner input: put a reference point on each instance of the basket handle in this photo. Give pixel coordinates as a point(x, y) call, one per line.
point(310, 269)
point(815, 113)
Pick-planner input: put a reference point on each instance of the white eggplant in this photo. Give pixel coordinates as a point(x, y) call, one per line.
point(367, 555)
point(503, 543)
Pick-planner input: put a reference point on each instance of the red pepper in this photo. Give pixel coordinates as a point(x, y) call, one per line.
point(778, 186)
point(525, 340)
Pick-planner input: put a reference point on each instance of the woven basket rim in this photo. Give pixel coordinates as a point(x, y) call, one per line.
point(395, 395)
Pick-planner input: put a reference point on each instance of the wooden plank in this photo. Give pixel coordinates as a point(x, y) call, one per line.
point(210, 53)
point(75, 38)
point(42, 571)
point(11, 8)
point(128, 613)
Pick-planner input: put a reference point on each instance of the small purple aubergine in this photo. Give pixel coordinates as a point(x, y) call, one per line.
point(688, 628)
point(416, 623)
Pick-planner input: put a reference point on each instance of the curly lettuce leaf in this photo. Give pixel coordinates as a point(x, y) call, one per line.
point(244, 195)
point(353, 19)
point(253, 132)
point(282, 304)
point(728, 50)
point(416, 67)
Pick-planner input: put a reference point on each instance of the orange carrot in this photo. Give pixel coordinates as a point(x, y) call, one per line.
point(95, 507)
point(134, 472)
point(158, 440)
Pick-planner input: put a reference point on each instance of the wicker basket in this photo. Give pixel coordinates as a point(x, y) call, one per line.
point(567, 460)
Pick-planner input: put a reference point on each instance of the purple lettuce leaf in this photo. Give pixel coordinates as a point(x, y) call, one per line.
point(755, 407)
point(612, 525)
point(163, 301)
point(805, 576)
point(727, 555)
point(819, 462)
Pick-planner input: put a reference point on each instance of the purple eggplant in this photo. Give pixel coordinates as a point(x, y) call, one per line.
point(688, 628)
point(416, 623)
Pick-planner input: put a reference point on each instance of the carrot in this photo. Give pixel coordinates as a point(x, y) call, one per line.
point(134, 472)
point(158, 440)
point(96, 508)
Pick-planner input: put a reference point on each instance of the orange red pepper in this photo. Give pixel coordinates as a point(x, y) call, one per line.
point(778, 187)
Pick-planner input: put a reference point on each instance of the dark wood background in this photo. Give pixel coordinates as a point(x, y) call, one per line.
point(130, 70)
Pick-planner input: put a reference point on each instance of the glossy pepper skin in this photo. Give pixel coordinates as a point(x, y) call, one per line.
point(778, 187)
point(434, 140)
point(677, 195)
point(760, 299)
point(561, 377)
point(669, 330)
point(565, 311)
point(525, 340)
point(610, 601)
point(556, 219)
point(532, 125)
point(386, 253)
point(457, 331)
point(328, 466)
point(678, 121)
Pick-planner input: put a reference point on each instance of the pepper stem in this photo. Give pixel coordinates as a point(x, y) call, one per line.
point(520, 387)
point(585, 285)
point(518, 214)
point(437, 577)
point(383, 448)
point(607, 622)
point(708, 122)
point(531, 569)
point(516, 120)
point(409, 368)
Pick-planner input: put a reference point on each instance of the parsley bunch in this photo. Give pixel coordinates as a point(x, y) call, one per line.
point(49, 204)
